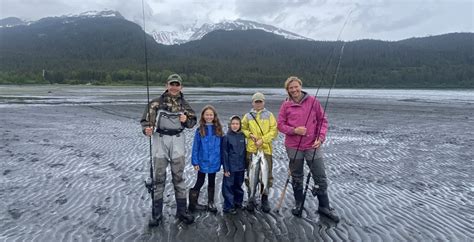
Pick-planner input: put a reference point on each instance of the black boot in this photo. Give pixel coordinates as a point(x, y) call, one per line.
point(210, 200)
point(193, 201)
point(157, 215)
point(298, 209)
point(265, 205)
point(250, 205)
point(182, 213)
point(325, 209)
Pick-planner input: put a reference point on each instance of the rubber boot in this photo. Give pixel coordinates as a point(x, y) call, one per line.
point(210, 200)
point(298, 209)
point(157, 216)
point(265, 205)
point(325, 209)
point(250, 205)
point(193, 201)
point(182, 213)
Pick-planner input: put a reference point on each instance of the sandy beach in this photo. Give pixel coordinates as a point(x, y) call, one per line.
point(73, 161)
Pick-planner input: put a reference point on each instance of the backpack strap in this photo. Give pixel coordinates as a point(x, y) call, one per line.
point(254, 118)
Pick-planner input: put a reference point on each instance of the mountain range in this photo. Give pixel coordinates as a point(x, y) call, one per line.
point(182, 36)
point(108, 49)
point(192, 33)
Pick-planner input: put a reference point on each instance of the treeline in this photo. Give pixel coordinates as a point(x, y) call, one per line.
point(90, 77)
point(111, 52)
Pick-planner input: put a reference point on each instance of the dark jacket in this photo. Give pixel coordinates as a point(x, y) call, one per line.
point(171, 104)
point(233, 151)
point(207, 150)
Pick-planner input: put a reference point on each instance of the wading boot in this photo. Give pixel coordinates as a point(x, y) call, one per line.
point(181, 212)
point(325, 209)
point(250, 205)
point(210, 200)
point(329, 212)
point(193, 201)
point(298, 209)
point(265, 206)
point(157, 216)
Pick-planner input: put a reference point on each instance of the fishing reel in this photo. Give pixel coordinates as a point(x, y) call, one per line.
point(149, 184)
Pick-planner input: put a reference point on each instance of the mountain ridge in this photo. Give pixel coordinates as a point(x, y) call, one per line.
point(182, 36)
point(111, 50)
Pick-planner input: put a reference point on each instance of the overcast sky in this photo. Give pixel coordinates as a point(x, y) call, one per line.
point(317, 19)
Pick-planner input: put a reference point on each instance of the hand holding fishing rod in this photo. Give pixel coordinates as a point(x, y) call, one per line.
point(149, 131)
point(301, 130)
point(317, 144)
point(170, 114)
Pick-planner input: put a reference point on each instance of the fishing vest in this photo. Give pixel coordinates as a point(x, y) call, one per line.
point(168, 123)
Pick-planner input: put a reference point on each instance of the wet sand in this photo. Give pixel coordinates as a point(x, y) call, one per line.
point(399, 170)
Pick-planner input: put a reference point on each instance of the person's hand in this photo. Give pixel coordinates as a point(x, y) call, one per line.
point(316, 144)
point(254, 139)
point(183, 118)
point(148, 131)
point(259, 143)
point(301, 130)
point(226, 174)
point(196, 168)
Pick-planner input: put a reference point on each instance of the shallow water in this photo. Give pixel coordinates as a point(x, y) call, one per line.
point(96, 95)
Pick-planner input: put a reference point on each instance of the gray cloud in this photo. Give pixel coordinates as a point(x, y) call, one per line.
point(319, 19)
point(267, 8)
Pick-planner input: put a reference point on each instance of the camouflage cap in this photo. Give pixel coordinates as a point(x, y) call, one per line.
point(174, 78)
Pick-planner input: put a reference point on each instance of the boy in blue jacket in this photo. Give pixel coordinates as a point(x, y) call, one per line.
point(233, 159)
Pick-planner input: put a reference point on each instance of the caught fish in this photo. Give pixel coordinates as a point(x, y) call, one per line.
point(253, 173)
point(263, 173)
point(258, 173)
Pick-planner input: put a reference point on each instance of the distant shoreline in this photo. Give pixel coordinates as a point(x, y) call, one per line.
point(243, 87)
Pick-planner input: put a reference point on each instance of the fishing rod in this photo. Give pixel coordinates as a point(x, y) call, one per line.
point(150, 182)
point(320, 125)
point(320, 122)
point(322, 74)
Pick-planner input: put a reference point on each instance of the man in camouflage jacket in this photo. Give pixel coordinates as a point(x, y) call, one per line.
point(169, 148)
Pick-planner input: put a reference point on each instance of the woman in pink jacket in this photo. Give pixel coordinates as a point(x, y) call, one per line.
point(302, 120)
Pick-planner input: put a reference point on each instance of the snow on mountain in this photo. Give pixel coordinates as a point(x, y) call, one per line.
point(12, 21)
point(173, 37)
point(240, 24)
point(183, 35)
point(95, 14)
point(190, 34)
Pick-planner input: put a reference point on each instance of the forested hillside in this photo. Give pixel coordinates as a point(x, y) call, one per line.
point(111, 51)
